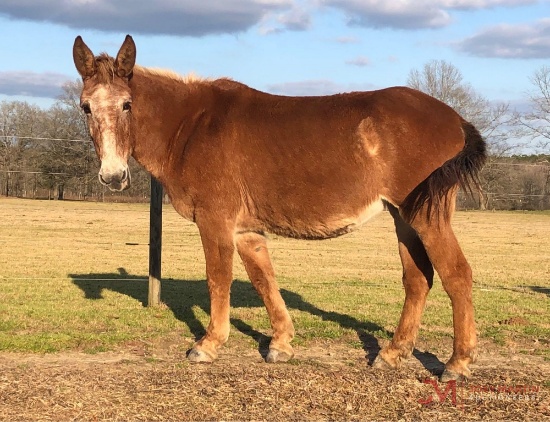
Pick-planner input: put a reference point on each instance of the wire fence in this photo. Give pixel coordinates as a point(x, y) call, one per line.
point(52, 171)
point(507, 184)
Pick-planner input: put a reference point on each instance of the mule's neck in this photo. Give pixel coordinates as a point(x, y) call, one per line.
point(164, 108)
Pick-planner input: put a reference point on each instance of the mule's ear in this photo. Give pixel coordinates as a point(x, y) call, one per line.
point(126, 58)
point(83, 59)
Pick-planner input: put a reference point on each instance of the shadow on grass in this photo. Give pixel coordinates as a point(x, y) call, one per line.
point(538, 289)
point(180, 296)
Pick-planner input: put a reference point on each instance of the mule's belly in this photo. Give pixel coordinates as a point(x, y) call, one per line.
point(364, 215)
point(312, 226)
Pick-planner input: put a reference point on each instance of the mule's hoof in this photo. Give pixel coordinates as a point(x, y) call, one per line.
point(449, 375)
point(380, 363)
point(275, 355)
point(199, 356)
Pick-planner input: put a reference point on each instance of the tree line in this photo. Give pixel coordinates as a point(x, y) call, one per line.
point(47, 153)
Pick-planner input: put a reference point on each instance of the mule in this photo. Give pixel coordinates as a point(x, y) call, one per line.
point(239, 162)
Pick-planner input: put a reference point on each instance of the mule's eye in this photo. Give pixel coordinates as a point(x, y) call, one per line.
point(86, 108)
point(127, 106)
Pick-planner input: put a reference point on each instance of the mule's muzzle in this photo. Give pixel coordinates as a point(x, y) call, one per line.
point(116, 181)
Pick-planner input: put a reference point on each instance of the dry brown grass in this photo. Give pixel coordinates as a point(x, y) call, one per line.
point(72, 280)
point(328, 382)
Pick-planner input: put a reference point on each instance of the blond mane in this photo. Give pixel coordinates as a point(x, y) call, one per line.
point(106, 71)
point(170, 74)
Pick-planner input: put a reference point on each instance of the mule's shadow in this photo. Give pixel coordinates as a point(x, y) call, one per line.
point(539, 289)
point(180, 296)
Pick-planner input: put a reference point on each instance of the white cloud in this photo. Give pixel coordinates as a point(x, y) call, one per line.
point(360, 61)
point(411, 14)
point(295, 19)
point(171, 17)
point(46, 85)
point(347, 40)
point(396, 14)
point(198, 18)
point(523, 41)
point(483, 4)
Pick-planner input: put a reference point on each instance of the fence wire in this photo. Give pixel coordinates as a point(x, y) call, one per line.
point(506, 185)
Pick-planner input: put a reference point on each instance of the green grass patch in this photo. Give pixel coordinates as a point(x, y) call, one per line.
point(72, 277)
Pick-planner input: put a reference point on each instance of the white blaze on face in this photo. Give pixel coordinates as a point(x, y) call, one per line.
point(106, 109)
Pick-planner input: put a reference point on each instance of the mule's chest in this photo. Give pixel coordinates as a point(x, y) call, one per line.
point(183, 205)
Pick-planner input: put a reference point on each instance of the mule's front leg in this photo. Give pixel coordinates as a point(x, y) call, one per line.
point(253, 251)
point(217, 242)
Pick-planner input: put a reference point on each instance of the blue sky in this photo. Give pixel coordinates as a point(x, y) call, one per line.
point(292, 47)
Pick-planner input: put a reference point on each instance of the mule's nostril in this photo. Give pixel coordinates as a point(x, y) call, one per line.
point(101, 179)
point(124, 175)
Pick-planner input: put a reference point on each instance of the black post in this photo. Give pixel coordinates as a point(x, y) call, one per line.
point(155, 242)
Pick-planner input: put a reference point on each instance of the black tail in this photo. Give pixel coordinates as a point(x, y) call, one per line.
point(461, 170)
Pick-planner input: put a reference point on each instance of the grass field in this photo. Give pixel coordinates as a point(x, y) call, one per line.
point(73, 276)
point(77, 341)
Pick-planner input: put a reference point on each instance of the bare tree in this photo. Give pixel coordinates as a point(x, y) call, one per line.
point(495, 122)
point(49, 152)
point(70, 99)
point(19, 122)
point(537, 121)
point(445, 82)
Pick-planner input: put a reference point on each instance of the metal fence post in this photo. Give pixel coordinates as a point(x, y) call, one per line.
point(155, 243)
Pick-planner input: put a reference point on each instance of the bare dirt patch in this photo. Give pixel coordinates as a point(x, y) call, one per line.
point(328, 381)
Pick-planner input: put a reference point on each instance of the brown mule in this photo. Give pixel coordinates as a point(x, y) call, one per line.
point(239, 162)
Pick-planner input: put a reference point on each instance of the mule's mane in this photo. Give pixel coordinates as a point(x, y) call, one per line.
point(166, 73)
point(105, 68)
point(106, 71)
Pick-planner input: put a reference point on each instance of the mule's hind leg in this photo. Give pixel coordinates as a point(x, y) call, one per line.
point(417, 281)
point(456, 275)
point(253, 251)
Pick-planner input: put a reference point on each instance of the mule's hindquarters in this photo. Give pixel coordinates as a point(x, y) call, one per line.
point(426, 241)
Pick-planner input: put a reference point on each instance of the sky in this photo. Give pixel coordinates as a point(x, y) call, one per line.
point(290, 47)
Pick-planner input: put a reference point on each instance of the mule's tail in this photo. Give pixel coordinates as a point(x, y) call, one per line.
point(461, 170)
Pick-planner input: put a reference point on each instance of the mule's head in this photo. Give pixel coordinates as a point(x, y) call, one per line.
point(107, 101)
